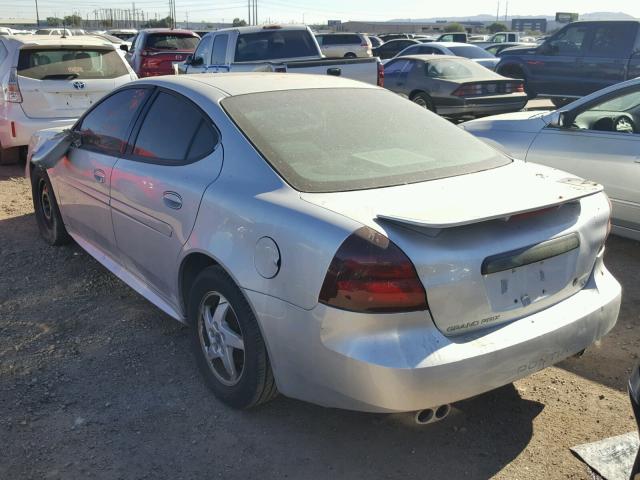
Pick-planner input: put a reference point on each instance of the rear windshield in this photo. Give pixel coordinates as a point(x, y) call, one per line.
point(70, 63)
point(470, 52)
point(171, 41)
point(327, 140)
point(453, 69)
point(274, 44)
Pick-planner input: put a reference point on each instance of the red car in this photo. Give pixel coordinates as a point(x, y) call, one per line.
point(154, 51)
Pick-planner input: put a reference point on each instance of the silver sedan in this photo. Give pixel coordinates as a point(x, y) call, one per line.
point(328, 239)
point(596, 137)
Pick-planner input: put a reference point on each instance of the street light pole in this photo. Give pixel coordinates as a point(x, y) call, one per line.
point(37, 15)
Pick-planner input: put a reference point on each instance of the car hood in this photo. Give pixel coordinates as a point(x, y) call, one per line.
point(518, 187)
point(522, 122)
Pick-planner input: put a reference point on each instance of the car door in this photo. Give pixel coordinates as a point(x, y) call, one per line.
point(157, 187)
point(592, 147)
point(392, 71)
point(606, 56)
point(557, 67)
point(202, 56)
point(219, 54)
point(82, 179)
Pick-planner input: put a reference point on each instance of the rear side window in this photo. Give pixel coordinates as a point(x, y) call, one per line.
point(220, 49)
point(164, 140)
point(171, 41)
point(105, 128)
point(70, 63)
point(470, 52)
point(272, 44)
point(342, 39)
point(612, 40)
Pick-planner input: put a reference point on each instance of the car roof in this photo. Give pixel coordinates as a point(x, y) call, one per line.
point(47, 40)
point(452, 44)
point(428, 57)
point(168, 30)
point(262, 28)
point(242, 83)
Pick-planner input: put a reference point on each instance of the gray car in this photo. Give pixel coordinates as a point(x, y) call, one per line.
point(453, 86)
point(464, 50)
point(596, 137)
point(329, 240)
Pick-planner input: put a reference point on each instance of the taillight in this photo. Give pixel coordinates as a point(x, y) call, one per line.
point(514, 87)
point(380, 75)
point(369, 273)
point(13, 94)
point(468, 90)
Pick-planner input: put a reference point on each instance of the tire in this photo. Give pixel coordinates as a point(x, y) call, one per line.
point(350, 55)
point(423, 100)
point(561, 102)
point(46, 209)
point(216, 347)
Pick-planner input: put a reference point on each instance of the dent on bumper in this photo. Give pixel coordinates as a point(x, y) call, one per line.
point(391, 363)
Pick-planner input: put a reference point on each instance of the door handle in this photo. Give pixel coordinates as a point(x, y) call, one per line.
point(99, 175)
point(172, 200)
point(335, 71)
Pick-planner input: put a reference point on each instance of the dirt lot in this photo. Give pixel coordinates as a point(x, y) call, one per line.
point(95, 382)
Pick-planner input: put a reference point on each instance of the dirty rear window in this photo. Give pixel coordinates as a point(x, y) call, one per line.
point(70, 63)
point(327, 140)
point(172, 41)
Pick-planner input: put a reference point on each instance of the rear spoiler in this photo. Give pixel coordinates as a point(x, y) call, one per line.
point(439, 218)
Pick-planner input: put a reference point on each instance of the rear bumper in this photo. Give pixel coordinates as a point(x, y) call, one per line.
point(391, 363)
point(484, 106)
point(23, 126)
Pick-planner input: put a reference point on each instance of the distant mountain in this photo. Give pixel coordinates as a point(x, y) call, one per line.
point(488, 18)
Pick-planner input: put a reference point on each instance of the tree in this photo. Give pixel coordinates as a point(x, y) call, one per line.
point(165, 22)
point(496, 27)
point(454, 27)
point(239, 23)
point(54, 21)
point(74, 20)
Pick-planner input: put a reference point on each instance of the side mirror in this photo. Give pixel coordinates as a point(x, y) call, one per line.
point(188, 60)
point(196, 61)
point(124, 47)
point(48, 153)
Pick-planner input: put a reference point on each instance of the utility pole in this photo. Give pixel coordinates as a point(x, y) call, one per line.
point(248, 12)
point(506, 11)
point(187, 15)
point(37, 15)
point(498, 12)
point(255, 9)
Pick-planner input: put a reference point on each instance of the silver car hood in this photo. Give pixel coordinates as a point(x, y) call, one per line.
point(527, 121)
point(466, 199)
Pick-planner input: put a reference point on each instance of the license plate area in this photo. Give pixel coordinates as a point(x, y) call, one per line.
point(519, 278)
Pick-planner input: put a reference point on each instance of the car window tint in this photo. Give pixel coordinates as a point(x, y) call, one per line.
point(394, 67)
point(568, 41)
point(203, 143)
point(171, 41)
point(204, 50)
point(614, 114)
point(612, 40)
point(70, 63)
point(412, 50)
point(470, 51)
point(273, 44)
point(220, 49)
point(105, 128)
point(163, 139)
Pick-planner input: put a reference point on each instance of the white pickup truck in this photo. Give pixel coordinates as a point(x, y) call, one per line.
point(274, 48)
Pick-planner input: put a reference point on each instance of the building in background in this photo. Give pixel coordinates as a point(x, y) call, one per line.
point(529, 25)
point(405, 27)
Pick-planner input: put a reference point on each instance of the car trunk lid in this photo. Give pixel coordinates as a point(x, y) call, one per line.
point(492, 246)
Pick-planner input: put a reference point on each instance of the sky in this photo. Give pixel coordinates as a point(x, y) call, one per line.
point(311, 11)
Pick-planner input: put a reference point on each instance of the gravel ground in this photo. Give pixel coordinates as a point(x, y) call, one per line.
point(95, 382)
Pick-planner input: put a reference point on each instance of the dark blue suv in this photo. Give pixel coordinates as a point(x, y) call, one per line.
point(577, 60)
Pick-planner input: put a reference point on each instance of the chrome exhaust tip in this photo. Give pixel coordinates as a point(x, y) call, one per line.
point(432, 415)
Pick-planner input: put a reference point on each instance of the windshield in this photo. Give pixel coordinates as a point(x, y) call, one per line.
point(70, 63)
point(326, 140)
point(171, 41)
point(622, 103)
point(470, 51)
point(274, 44)
point(453, 69)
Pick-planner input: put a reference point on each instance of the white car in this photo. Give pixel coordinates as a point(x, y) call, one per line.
point(51, 81)
point(347, 45)
point(54, 31)
point(596, 137)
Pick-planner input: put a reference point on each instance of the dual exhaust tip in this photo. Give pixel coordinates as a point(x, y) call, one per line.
point(432, 415)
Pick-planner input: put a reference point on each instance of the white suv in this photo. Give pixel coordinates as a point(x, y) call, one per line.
point(48, 82)
point(348, 45)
